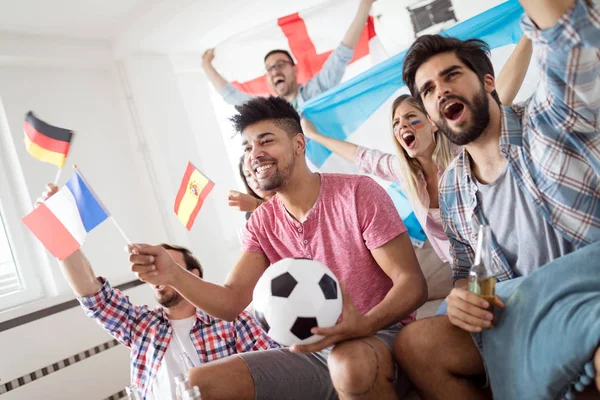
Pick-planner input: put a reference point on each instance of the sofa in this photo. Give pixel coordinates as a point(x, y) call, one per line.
point(439, 283)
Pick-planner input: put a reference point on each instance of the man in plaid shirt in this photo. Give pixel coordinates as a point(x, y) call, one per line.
point(531, 172)
point(158, 336)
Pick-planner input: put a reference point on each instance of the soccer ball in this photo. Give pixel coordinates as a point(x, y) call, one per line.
point(295, 295)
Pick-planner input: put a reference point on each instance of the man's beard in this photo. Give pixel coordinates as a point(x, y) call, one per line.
point(480, 112)
point(277, 180)
point(169, 300)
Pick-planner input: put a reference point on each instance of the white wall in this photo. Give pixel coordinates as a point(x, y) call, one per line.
point(86, 101)
point(179, 124)
point(91, 101)
point(136, 125)
point(29, 347)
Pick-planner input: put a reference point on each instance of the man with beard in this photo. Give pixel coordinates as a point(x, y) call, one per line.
point(159, 337)
point(282, 71)
point(348, 223)
point(530, 172)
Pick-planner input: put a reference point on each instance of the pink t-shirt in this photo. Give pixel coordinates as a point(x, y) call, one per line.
point(351, 215)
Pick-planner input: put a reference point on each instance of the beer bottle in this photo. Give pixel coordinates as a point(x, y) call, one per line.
point(133, 392)
point(192, 394)
point(482, 279)
point(182, 384)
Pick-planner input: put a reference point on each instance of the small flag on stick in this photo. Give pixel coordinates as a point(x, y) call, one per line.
point(46, 142)
point(190, 197)
point(62, 222)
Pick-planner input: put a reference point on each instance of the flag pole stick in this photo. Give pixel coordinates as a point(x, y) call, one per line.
point(57, 177)
point(120, 231)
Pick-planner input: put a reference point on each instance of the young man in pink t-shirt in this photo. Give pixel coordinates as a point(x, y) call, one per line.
point(348, 223)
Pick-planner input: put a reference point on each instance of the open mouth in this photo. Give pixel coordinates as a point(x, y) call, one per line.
point(409, 139)
point(453, 110)
point(159, 287)
point(264, 170)
point(279, 81)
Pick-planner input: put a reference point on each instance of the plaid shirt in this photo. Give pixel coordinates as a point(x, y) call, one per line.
point(551, 142)
point(148, 332)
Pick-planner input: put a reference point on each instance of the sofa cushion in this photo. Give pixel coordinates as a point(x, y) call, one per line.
point(438, 274)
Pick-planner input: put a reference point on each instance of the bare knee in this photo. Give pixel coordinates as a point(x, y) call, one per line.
point(413, 347)
point(375, 366)
point(436, 344)
point(227, 378)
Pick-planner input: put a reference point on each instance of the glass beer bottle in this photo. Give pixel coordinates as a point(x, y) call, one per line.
point(182, 384)
point(133, 392)
point(192, 394)
point(482, 279)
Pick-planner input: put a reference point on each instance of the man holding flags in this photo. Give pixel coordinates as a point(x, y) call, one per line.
point(159, 338)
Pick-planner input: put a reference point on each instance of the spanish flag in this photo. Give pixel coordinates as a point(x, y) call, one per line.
point(192, 192)
point(46, 142)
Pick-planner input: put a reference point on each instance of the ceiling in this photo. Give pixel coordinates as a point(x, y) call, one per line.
point(78, 19)
point(163, 26)
point(167, 26)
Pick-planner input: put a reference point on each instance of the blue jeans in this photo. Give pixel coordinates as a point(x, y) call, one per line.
point(544, 340)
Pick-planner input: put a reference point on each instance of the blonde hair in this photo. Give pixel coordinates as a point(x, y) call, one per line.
point(410, 167)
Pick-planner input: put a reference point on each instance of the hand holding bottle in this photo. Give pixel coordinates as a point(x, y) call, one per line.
point(473, 309)
point(469, 311)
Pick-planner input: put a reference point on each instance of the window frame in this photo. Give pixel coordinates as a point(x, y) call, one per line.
point(14, 202)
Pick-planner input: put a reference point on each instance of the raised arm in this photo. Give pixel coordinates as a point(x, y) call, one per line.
point(358, 24)
point(111, 309)
point(333, 70)
point(342, 148)
point(78, 272)
point(513, 72)
point(76, 268)
point(546, 13)
point(154, 265)
point(383, 165)
point(228, 92)
point(566, 39)
point(213, 75)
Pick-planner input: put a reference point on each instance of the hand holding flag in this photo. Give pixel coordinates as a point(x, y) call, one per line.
point(63, 217)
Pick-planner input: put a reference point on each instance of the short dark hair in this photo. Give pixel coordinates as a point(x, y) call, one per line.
point(474, 53)
point(287, 53)
point(272, 108)
point(243, 176)
point(191, 262)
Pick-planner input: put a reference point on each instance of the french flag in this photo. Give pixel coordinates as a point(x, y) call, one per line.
point(62, 222)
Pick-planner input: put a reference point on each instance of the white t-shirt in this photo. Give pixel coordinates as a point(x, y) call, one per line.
point(163, 386)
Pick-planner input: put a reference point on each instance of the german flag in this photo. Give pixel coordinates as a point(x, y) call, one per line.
point(190, 197)
point(46, 142)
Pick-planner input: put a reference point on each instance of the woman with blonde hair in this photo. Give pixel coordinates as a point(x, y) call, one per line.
point(422, 156)
point(423, 153)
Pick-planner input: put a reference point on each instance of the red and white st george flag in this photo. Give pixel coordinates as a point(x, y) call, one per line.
point(309, 35)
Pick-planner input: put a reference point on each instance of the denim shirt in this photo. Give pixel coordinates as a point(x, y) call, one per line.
point(330, 75)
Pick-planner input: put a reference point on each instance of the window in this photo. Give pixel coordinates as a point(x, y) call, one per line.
point(20, 256)
point(10, 282)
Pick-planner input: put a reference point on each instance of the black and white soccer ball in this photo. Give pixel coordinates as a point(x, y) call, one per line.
point(295, 295)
